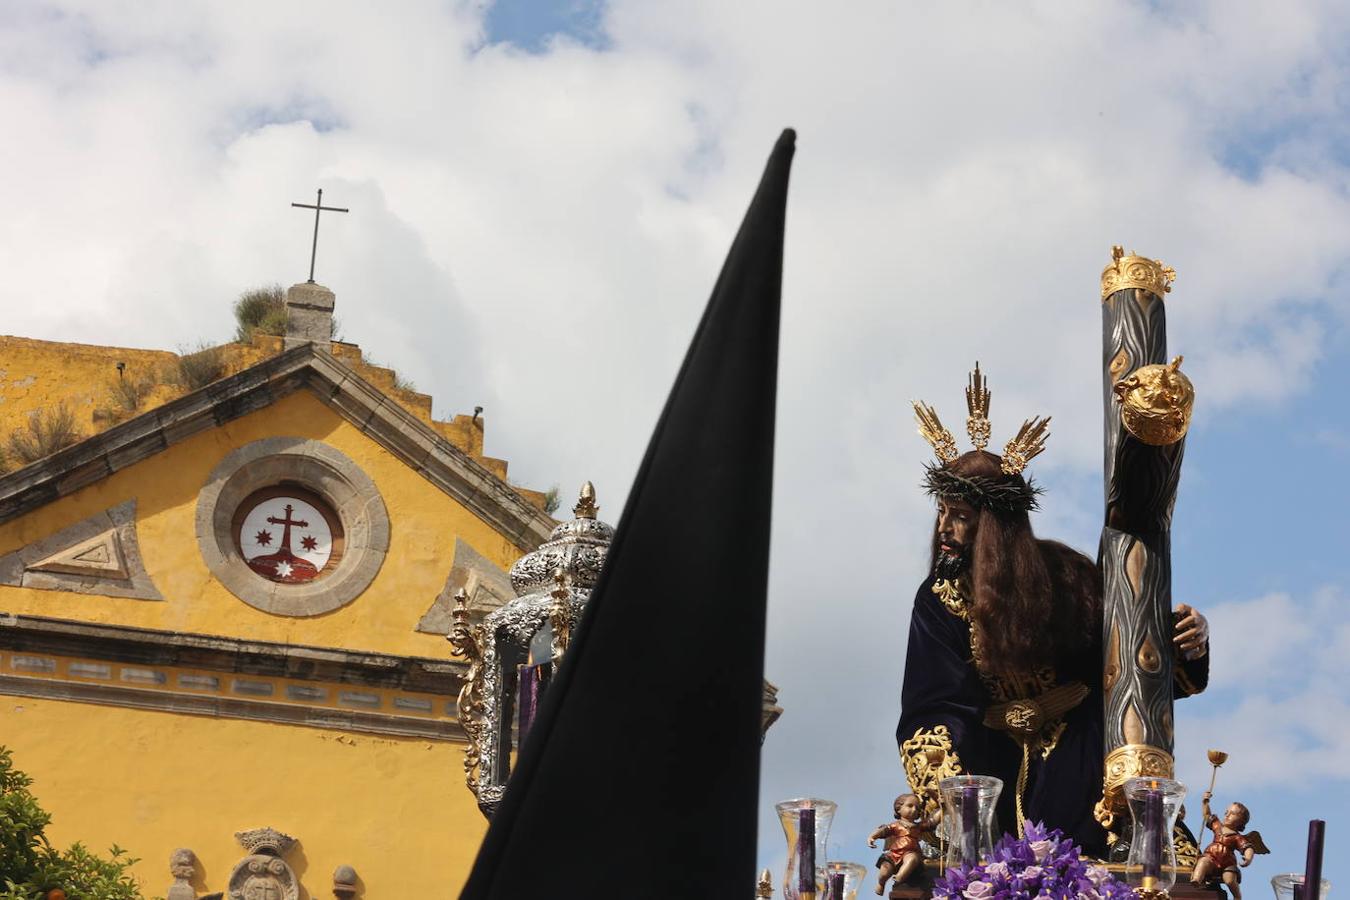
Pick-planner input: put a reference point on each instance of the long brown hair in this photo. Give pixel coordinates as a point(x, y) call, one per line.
point(1032, 602)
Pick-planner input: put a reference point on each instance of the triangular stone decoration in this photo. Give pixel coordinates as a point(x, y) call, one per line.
point(488, 587)
point(98, 555)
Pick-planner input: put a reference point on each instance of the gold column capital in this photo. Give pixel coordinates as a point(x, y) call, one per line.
point(1130, 270)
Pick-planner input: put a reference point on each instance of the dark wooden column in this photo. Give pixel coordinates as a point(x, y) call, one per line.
point(1135, 554)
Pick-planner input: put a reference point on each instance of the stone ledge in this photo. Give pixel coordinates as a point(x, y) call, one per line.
point(232, 708)
point(118, 643)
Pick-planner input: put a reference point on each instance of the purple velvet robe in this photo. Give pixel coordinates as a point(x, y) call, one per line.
point(942, 687)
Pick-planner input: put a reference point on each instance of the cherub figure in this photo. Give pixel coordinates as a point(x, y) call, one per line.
point(901, 857)
point(1220, 857)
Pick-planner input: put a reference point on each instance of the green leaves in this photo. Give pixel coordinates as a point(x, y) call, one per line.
point(30, 866)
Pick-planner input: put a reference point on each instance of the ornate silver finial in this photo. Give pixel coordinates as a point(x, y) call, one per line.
point(460, 613)
point(586, 507)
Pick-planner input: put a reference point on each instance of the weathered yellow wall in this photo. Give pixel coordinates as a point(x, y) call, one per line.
point(424, 523)
point(39, 374)
point(36, 374)
point(396, 809)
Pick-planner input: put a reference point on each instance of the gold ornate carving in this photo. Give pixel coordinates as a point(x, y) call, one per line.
point(1188, 854)
point(1149, 658)
point(467, 643)
point(977, 405)
point(1124, 763)
point(951, 595)
point(1135, 558)
point(934, 432)
point(1134, 271)
point(560, 615)
point(1029, 442)
point(1119, 363)
point(1156, 403)
point(1025, 446)
point(764, 887)
point(1132, 725)
point(586, 507)
point(929, 757)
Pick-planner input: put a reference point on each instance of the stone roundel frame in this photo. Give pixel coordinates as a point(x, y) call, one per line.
point(316, 467)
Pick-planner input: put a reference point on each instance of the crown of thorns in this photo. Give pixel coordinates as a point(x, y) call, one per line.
point(1008, 494)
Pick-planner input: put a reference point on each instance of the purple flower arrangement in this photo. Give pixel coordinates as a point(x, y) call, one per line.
point(1044, 863)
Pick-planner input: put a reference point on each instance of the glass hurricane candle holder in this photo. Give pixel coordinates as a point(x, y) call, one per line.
point(818, 814)
point(1154, 803)
point(854, 876)
point(968, 803)
point(1289, 886)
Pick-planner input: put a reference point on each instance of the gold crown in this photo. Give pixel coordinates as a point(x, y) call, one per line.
point(1134, 271)
point(1028, 443)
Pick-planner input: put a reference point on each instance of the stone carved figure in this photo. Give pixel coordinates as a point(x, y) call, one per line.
point(263, 874)
point(183, 867)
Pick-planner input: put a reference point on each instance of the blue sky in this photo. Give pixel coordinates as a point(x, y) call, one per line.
point(544, 188)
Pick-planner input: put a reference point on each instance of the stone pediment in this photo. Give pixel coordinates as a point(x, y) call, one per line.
point(305, 367)
point(97, 555)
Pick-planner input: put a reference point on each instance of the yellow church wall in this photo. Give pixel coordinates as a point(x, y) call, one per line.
point(424, 523)
point(395, 809)
point(36, 375)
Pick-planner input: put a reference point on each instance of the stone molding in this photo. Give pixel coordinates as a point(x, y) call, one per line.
point(98, 555)
point(121, 643)
point(309, 315)
point(323, 470)
point(305, 367)
point(487, 586)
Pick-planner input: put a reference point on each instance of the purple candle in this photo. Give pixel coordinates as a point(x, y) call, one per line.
point(836, 891)
point(1312, 869)
point(970, 817)
point(1151, 858)
point(806, 851)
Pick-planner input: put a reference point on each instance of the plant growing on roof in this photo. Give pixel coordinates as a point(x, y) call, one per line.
point(48, 430)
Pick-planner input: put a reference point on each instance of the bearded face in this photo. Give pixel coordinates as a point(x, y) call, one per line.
point(955, 534)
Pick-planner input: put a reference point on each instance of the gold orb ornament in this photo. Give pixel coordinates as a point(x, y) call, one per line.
point(1156, 402)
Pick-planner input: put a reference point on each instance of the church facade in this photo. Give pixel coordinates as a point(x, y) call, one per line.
point(223, 616)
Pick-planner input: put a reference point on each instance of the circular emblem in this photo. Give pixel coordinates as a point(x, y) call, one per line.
point(287, 534)
point(263, 877)
point(1023, 716)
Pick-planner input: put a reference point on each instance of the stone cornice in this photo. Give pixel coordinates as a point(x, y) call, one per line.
point(145, 646)
point(258, 386)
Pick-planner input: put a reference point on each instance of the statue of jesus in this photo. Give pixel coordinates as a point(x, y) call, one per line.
point(1004, 664)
